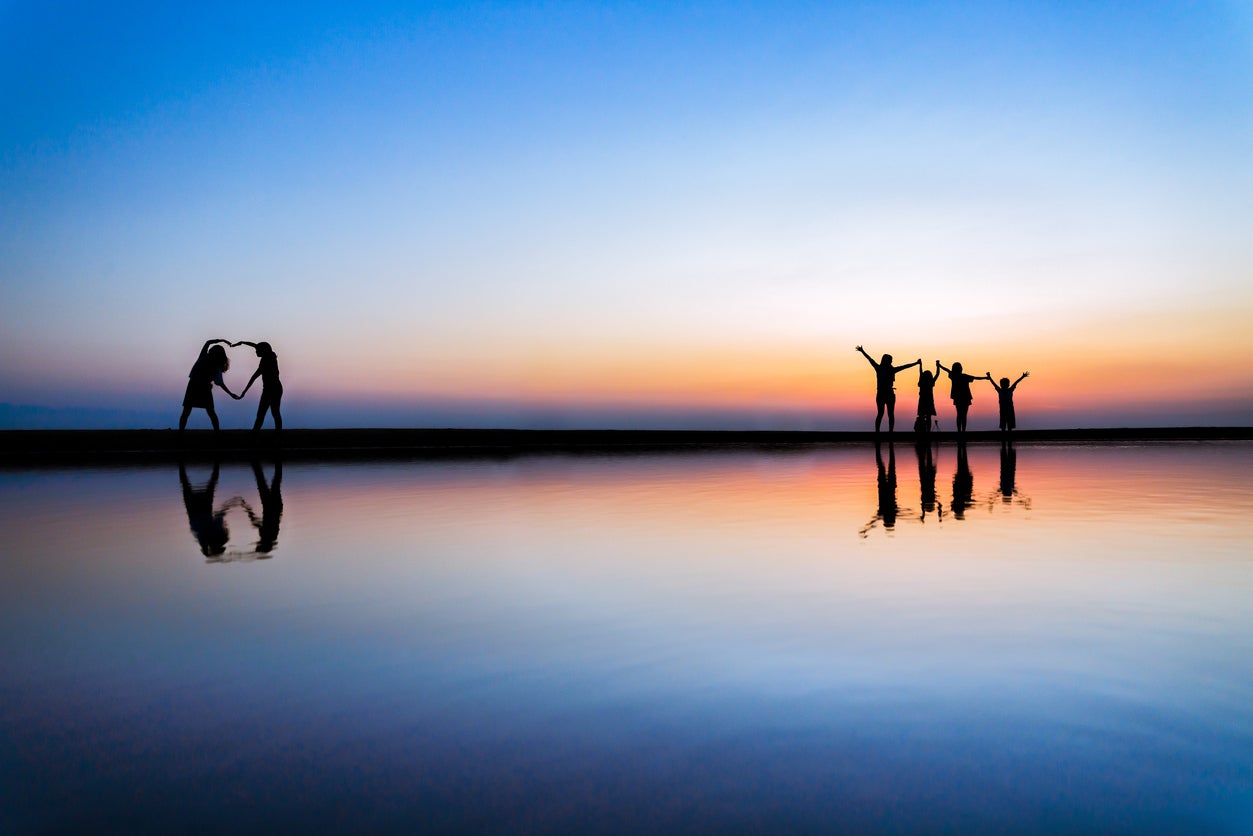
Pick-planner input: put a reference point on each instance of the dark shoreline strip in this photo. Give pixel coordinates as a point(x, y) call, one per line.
point(18, 447)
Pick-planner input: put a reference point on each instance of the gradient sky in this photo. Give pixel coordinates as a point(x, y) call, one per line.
point(645, 214)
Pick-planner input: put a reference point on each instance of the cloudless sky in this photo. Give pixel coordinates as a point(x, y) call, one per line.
point(644, 214)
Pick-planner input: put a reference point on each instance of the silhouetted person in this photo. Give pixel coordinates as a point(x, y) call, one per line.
point(1005, 393)
point(926, 401)
point(959, 392)
point(271, 507)
point(207, 524)
point(926, 479)
point(885, 392)
point(207, 371)
point(963, 483)
point(271, 386)
point(887, 490)
point(1009, 466)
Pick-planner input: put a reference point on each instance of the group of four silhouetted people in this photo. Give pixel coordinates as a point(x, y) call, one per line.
point(885, 394)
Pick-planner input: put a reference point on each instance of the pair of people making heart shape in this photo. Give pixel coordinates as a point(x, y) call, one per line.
point(208, 370)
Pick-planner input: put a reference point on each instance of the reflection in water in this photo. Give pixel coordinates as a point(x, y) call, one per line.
point(963, 483)
point(655, 643)
point(1009, 468)
point(963, 491)
point(926, 480)
point(208, 523)
point(271, 507)
point(888, 508)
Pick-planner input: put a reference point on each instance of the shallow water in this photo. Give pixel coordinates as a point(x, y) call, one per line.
point(1057, 639)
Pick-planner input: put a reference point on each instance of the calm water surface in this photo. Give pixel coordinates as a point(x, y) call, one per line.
point(1049, 639)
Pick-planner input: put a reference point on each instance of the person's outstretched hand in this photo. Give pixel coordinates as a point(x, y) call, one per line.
point(859, 348)
point(1026, 374)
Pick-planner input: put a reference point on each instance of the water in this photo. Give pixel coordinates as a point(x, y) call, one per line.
point(1057, 640)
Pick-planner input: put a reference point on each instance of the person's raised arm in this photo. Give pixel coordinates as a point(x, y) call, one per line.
point(208, 343)
point(943, 367)
point(917, 363)
point(243, 342)
point(1020, 377)
point(868, 357)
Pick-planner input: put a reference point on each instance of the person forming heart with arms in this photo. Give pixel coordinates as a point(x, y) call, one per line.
point(208, 370)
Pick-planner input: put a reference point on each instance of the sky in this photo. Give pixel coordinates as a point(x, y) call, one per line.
point(627, 214)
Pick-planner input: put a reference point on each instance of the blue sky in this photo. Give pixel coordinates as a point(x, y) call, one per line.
point(626, 214)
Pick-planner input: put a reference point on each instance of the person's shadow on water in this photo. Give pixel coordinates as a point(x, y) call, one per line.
point(208, 524)
point(886, 483)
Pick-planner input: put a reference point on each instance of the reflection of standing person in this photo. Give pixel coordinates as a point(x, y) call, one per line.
point(207, 525)
point(1005, 393)
point(963, 483)
point(885, 391)
point(926, 479)
point(886, 484)
point(960, 391)
point(207, 371)
point(1009, 467)
point(271, 386)
point(271, 507)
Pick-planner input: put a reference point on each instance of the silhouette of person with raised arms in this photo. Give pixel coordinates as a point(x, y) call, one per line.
point(271, 386)
point(207, 371)
point(959, 391)
point(885, 393)
point(1005, 393)
point(208, 525)
point(271, 507)
point(926, 400)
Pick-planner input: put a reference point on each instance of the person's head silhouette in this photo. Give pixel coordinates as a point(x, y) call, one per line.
point(218, 355)
point(263, 349)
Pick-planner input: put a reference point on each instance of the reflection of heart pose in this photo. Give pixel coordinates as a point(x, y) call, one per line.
point(271, 386)
point(207, 371)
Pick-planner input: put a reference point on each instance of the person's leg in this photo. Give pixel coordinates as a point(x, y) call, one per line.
point(213, 417)
point(878, 418)
point(891, 412)
point(262, 407)
point(278, 418)
point(182, 419)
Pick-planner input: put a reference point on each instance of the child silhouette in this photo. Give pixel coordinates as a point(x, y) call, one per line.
point(1005, 392)
point(960, 391)
point(926, 401)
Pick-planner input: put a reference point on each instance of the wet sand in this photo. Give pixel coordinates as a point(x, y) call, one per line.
point(77, 446)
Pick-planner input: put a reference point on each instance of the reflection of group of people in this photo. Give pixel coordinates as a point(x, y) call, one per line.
point(963, 484)
point(208, 370)
point(208, 520)
point(885, 394)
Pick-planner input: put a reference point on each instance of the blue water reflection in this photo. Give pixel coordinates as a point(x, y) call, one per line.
point(1049, 639)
